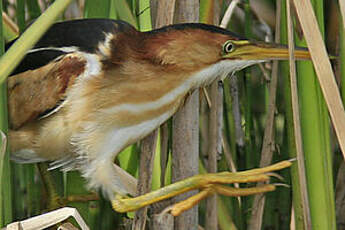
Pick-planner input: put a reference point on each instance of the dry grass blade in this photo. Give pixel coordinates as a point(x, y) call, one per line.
point(322, 67)
point(207, 96)
point(296, 122)
point(292, 221)
point(228, 13)
point(11, 25)
point(49, 219)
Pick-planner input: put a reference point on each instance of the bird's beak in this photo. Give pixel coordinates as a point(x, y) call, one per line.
point(247, 50)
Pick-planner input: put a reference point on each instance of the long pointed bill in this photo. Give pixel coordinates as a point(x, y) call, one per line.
point(246, 50)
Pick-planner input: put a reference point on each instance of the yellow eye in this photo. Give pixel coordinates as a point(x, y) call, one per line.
point(228, 47)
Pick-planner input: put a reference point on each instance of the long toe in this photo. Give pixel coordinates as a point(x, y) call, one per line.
point(208, 184)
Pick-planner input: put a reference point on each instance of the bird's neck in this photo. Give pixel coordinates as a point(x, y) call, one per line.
point(218, 70)
point(144, 96)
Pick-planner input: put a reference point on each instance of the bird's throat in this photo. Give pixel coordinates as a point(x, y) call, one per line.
point(219, 70)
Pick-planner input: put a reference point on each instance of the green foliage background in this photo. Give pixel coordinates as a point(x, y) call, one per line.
point(23, 194)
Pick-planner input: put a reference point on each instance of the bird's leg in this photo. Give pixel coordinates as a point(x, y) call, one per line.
point(207, 184)
point(54, 200)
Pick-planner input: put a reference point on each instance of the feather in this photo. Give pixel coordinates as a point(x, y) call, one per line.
point(34, 92)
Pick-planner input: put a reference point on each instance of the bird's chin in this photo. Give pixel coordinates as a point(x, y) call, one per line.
point(235, 66)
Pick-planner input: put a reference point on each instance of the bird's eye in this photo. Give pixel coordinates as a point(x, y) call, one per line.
point(228, 47)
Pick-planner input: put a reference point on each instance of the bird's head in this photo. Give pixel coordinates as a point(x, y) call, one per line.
point(191, 50)
point(194, 47)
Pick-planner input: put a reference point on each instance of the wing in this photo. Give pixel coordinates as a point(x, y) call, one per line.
point(39, 84)
point(34, 93)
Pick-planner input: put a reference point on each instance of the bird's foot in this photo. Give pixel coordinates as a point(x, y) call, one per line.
point(208, 184)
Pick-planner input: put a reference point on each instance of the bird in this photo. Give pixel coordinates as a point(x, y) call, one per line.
point(91, 87)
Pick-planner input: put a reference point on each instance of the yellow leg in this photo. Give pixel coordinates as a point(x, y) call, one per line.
point(207, 184)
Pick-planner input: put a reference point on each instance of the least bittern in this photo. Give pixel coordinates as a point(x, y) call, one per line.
point(89, 88)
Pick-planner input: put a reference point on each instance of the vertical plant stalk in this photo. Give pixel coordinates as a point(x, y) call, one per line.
point(248, 151)
point(5, 179)
point(164, 16)
point(340, 180)
point(148, 149)
point(185, 146)
point(340, 196)
point(342, 47)
point(318, 158)
point(164, 150)
point(213, 151)
point(249, 147)
point(269, 137)
point(20, 13)
point(165, 221)
point(232, 84)
point(340, 184)
point(2, 159)
point(148, 144)
point(162, 221)
point(298, 180)
point(323, 68)
point(26, 198)
point(185, 155)
point(236, 111)
point(342, 10)
point(2, 154)
point(296, 121)
point(210, 11)
point(165, 13)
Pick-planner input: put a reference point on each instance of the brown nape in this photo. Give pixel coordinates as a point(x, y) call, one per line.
point(187, 50)
point(123, 46)
point(183, 50)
